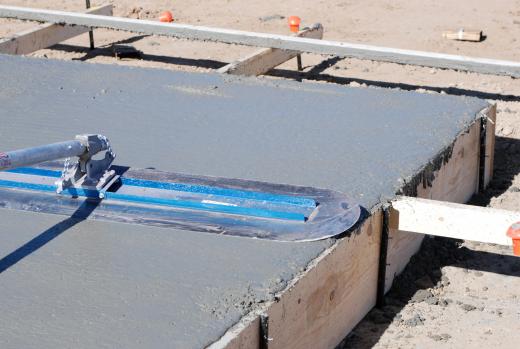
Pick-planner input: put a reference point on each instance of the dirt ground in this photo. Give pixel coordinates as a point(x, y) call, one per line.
point(453, 294)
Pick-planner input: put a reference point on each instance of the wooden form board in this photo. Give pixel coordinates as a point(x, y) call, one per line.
point(343, 49)
point(456, 181)
point(46, 35)
point(262, 61)
point(320, 307)
point(481, 224)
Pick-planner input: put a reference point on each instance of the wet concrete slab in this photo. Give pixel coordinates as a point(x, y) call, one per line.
point(90, 284)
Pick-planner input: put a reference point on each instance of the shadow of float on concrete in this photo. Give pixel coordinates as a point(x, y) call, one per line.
point(81, 214)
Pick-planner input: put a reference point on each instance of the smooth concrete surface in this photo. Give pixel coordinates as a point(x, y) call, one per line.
point(110, 285)
point(100, 284)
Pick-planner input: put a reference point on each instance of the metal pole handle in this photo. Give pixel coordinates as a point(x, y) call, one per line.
point(31, 156)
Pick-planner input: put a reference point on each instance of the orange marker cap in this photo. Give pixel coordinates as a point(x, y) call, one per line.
point(294, 23)
point(514, 233)
point(166, 16)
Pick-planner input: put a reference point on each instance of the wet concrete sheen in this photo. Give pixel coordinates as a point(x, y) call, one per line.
point(107, 284)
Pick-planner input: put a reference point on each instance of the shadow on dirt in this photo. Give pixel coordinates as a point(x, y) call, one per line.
point(507, 166)
point(314, 74)
point(424, 273)
point(107, 51)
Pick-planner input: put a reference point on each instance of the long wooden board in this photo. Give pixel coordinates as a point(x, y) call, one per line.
point(482, 224)
point(46, 35)
point(343, 49)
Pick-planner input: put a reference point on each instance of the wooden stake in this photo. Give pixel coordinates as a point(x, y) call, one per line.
point(46, 35)
point(463, 35)
point(260, 62)
point(91, 32)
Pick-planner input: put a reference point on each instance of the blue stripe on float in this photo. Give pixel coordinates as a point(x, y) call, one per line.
point(49, 188)
point(36, 172)
point(195, 205)
point(234, 193)
point(191, 188)
point(28, 186)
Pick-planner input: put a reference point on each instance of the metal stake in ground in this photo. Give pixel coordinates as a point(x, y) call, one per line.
point(91, 32)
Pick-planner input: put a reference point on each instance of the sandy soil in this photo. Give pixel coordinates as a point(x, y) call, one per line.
point(453, 294)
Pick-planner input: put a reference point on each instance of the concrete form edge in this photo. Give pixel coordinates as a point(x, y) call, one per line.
point(231, 339)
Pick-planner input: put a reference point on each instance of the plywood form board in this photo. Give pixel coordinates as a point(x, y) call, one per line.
point(305, 134)
point(321, 308)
